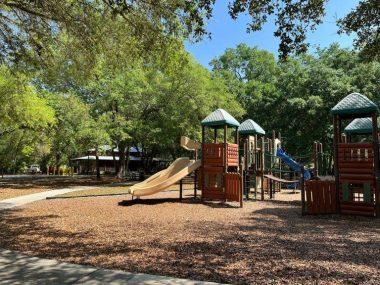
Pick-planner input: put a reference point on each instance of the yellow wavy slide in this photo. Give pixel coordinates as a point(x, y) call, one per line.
point(160, 181)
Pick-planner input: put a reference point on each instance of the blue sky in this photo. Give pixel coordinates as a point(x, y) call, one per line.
point(227, 33)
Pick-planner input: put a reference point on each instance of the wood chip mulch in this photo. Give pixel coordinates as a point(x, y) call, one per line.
point(263, 243)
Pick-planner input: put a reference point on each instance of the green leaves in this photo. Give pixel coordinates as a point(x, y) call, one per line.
point(295, 96)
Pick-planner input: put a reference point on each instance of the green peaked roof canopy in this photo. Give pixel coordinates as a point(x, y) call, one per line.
point(220, 118)
point(354, 104)
point(250, 127)
point(359, 126)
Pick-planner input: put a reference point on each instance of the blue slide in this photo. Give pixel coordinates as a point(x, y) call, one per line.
point(292, 164)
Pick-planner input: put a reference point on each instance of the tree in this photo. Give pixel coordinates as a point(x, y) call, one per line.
point(295, 96)
point(72, 118)
point(24, 117)
point(94, 135)
point(28, 27)
point(365, 22)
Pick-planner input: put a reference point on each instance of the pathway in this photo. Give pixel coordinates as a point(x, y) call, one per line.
point(25, 199)
point(17, 268)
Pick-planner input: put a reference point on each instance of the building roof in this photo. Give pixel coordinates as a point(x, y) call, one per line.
point(108, 148)
point(359, 126)
point(354, 104)
point(250, 127)
point(220, 118)
point(105, 158)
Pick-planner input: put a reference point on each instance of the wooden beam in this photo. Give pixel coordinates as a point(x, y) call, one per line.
point(336, 123)
point(315, 156)
point(225, 150)
point(376, 163)
point(302, 181)
point(195, 183)
point(262, 166)
point(203, 161)
point(180, 190)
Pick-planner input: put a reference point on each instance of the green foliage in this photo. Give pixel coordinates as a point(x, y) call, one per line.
point(75, 130)
point(295, 96)
point(25, 117)
point(364, 21)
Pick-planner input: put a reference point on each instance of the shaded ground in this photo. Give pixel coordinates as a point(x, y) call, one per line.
point(263, 243)
point(110, 191)
point(14, 186)
point(6, 193)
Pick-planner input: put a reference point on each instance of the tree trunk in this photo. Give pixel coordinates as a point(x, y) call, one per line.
point(122, 150)
point(97, 164)
point(127, 157)
point(57, 162)
point(115, 162)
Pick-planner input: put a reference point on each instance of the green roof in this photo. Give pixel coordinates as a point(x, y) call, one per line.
point(250, 127)
point(354, 104)
point(359, 126)
point(220, 118)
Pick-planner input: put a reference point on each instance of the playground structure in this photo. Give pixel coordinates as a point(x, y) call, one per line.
point(322, 161)
point(266, 167)
point(226, 174)
point(176, 172)
point(220, 176)
point(355, 188)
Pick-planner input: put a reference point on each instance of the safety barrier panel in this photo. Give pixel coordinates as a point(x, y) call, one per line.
point(320, 197)
point(233, 187)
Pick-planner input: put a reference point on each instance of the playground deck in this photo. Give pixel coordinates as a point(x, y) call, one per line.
point(264, 242)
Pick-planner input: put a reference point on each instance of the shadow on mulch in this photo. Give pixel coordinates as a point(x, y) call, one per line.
point(283, 202)
point(267, 246)
point(192, 200)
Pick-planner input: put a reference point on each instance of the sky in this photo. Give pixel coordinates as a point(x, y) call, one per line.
point(227, 33)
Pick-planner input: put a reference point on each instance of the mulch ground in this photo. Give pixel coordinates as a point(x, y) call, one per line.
point(111, 191)
point(14, 186)
point(263, 243)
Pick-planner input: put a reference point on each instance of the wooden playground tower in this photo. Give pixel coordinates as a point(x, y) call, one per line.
point(356, 163)
point(355, 190)
point(220, 177)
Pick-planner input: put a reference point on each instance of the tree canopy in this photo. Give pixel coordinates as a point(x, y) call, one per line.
point(28, 27)
point(295, 97)
point(77, 75)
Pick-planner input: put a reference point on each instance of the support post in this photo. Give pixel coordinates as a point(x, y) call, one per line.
point(255, 152)
point(195, 183)
point(245, 169)
point(181, 190)
point(302, 182)
point(215, 135)
point(270, 189)
point(202, 173)
point(242, 187)
point(315, 157)
point(262, 167)
point(336, 124)
point(225, 162)
point(376, 163)
point(279, 160)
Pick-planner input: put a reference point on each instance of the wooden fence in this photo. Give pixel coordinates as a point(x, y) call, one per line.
point(233, 187)
point(320, 197)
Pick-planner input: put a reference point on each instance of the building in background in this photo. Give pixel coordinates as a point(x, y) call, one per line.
point(108, 161)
